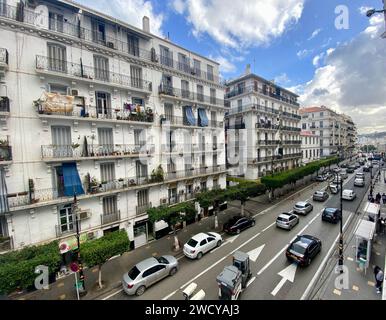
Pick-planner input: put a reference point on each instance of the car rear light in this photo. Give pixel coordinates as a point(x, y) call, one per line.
point(129, 286)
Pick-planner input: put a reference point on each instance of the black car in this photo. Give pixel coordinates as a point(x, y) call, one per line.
point(362, 163)
point(331, 215)
point(303, 249)
point(350, 169)
point(237, 224)
point(366, 169)
point(344, 165)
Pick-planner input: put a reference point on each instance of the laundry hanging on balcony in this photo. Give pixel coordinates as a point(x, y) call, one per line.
point(72, 184)
point(189, 116)
point(4, 207)
point(202, 118)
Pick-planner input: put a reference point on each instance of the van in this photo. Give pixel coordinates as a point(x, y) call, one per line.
point(348, 195)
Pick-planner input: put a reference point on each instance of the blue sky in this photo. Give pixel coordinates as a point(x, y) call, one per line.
point(294, 42)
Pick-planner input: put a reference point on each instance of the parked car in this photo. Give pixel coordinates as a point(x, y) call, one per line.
point(343, 174)
point(237, 224)
point(348, 194)
point(321, 178)
point(334, 188)
point(357, 165)
point(287, 220)
point(303, 249)
point(350, 169)
point(344, 165)
point(359, 182)
point(303, 208)
point(331, 215)
point(201, 243)
point(361, 162)
point(148, 272)
point(320, 196)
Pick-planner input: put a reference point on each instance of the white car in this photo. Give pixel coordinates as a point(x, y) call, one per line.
point(348, 195)
point(202, 243)
point(359, 182)
point(360, 175)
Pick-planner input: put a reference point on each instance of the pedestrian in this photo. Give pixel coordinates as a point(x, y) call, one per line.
point(384, 198)
point(378, 198)
point(378, 274)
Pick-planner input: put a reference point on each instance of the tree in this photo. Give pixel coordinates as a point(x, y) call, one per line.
point(99, 251)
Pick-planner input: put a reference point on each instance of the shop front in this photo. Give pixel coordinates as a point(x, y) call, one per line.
point(67, 248)
point(140, 233)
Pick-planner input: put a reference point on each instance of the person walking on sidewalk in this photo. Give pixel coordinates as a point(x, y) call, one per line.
point(384, 198)
point(378, 198)
point(378, 273)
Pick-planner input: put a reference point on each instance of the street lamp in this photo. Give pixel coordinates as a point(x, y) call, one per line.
point(341, 260)
point(371, 12)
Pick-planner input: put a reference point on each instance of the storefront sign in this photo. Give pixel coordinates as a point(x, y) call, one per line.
point(71, 243)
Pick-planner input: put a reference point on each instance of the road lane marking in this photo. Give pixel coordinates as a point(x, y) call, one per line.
point(282, 250)
point(270, 226)
point(337, 292)
point(251, 281)
point(113, 294)
point(288, 274)
point(319, 271)
point(355, 288)
point(170, 295)
point(254, 254)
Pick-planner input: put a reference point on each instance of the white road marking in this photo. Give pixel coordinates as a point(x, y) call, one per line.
point(288, 274)
point(254, 254)
point(168, 296)
point(282, 250)
point(270, 226)
point(113, 294)
point(230, 240)
point(319, 271)
point(251, 281)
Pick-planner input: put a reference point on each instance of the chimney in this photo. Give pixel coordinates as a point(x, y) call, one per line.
point(248, 69)
point(146, 24)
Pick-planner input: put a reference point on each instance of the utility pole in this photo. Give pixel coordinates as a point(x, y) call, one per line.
point(341, 259)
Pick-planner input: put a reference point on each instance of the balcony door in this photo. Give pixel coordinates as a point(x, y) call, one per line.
point(106, 143)
point(110, 210)
point(103, 100)
point(108, 176)
point(61, 142)
point(98, 32)
point(133, 45)
point(166, 56)
point(167, 84)
point(185, 89)
point(56, 58)
point(136, 77)
point(141, 171)
point(56, 22)
point(168, 111)
point(66, 219)
point(101, 68)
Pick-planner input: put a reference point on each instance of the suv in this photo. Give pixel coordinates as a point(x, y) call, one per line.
point(303, 249)
point(348, 195)
point(331, 215)
point(320, 196)
point(303, 207)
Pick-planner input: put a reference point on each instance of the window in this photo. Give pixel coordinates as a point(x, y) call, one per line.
point(101, 68)
point(215, 183)
point(185, 89)
point(110, 205)
point(58, 88)
point(240, 105)
point(141, 169)
point(321, 114)
point(108, 172)
point(203, 242)
point(203, 186)
point(183, 63)
point(66, 219)
point(61, 141)
point(321, 124)
point(56, 58)
point(55, 22)
point(166, 56)
point(103, 100)
point(241, 89)
point(168, 111)
point(133, 45)
point(215, 159)
point(210, 73)
point(139, 137)
point(172, 193)
point(213, 96)
point(136, 77)
point(197, 67)
point(98, 32)
point(106, 143)
point(142, 198)
point(304, 126)
point(200, 93)
point(213, 118)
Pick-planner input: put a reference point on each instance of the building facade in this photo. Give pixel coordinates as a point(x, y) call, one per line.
point(262, 127)
point(310, 146)
point(99, 109)
point(337, 132)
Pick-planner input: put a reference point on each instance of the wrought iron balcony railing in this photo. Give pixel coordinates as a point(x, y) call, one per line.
point(107, 218)
point(5, 153)
point(3, 52)
point(183, 121)
point(91, 73)
point(4, 104)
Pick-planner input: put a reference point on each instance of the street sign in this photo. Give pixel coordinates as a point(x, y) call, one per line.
point(74, 267)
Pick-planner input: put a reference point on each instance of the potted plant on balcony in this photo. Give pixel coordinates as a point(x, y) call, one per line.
point(157, 175)
point(94, 184)
point(4, 143)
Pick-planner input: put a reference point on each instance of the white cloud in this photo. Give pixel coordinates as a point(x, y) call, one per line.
point(226, 66)
point(129, 11)
point(314, 34)
point(353, 78)
point(363, 10)
point(303, 53)
point(282, 79)
point(240, 24)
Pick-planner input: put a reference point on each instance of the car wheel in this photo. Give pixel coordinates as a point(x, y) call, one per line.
point(308, 261)
point(199, 255)
point(238, 231)
point(173, 271)
point(140, 291)
point(253, 223)
point(218, 243)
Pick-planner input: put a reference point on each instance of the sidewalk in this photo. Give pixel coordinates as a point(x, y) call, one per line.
point(361, 284)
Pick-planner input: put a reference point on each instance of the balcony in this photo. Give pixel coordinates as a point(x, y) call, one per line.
point(110, 218)
point(127, 113)
point(170, 91)
point(238, 126)
point(5, 154)
point(193, 172)
point(293, 129)
point(267, 126)
point(182, 121)
point(291, 115)
point(53, 153)
point(139, 210)
point(254, 89)
point(261, 143)
point(3, 57)
point(88, 74)
point(292, 142)
point(4, 105)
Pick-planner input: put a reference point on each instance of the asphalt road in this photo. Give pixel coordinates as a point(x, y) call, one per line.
point(267, 244)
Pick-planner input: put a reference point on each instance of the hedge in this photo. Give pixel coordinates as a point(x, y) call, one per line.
point(171, 215)
point(17, 268)
point(281, 179)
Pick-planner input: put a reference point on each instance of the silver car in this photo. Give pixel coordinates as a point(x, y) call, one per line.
point(148, 272)
point(303, 207)
point(287, 221)
point(359, 182)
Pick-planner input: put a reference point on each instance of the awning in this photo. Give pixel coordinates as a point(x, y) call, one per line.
point(4, 207)
point(190, 116)
point(72, 183)
point(202, 118)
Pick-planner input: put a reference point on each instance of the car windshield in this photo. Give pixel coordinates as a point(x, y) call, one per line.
point(300, 205)
point(329, 212)
point(192, 243)
point(162, 260)
point(300, 246)
point(282, 218)
point(133, 273)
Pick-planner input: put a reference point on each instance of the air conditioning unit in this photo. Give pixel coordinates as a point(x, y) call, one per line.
point(83, 215)
point(164, 201)
point(110, 45)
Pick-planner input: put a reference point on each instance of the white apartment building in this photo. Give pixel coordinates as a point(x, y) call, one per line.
point(263, 127)
point(93, 106)
point(310, 146)
point(337, 132)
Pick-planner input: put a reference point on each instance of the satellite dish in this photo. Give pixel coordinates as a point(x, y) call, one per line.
point(41, 20)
